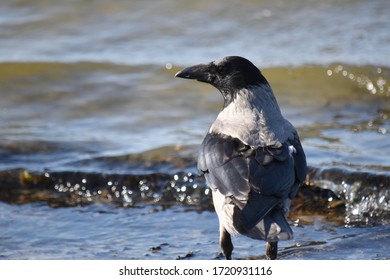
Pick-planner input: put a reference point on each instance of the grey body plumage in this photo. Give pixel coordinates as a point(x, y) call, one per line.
point(251, 157)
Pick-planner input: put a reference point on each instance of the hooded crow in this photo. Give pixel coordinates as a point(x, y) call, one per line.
point(251, 157)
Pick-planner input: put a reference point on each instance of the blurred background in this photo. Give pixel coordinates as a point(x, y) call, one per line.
point(98, 140)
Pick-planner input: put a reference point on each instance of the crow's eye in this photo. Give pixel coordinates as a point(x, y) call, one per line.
point(223, 69)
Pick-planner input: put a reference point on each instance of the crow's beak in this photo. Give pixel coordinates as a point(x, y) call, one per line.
point(199, 72)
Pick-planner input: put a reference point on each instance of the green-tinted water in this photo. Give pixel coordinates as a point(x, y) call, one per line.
point(91, 115)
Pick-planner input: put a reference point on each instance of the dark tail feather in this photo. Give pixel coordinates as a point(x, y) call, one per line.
point(257, 207)
point(277, 216)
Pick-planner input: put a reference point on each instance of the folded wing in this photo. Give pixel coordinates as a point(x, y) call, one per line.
point(256, 179)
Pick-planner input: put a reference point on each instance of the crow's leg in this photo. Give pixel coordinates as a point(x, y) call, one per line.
point(225, 241)
point(271, 250)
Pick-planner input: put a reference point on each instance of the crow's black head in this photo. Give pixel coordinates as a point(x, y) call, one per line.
point(229, 75)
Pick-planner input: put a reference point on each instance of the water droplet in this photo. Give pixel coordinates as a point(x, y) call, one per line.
point(382, 130)
point(338, 68)
point(355, 211)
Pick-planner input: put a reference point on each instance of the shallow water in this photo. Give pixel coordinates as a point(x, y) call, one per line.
point(152, 233)
point(99, 141)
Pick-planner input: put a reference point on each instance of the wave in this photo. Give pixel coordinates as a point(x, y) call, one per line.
point(352, 198)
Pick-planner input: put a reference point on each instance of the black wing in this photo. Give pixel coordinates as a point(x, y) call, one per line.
point(264, 176)
point(299, 164)
point(225, 166)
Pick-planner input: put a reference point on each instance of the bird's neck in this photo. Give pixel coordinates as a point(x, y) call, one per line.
point(253, 116)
